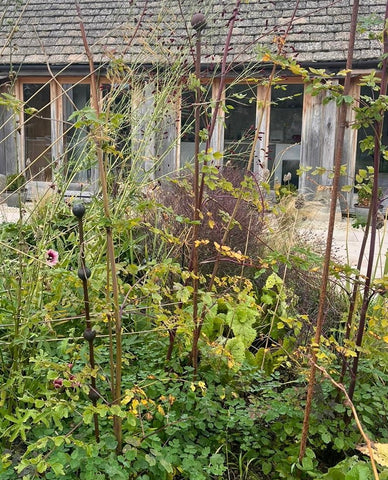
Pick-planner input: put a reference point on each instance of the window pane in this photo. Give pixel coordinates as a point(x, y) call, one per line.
point(117, 100)
point(365, 158)
point(38, 132)
point(188, 125)
point(285, 133)
point(240, 120)
point(77, 158)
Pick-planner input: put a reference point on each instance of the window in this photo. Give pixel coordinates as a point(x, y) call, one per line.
point(37, 132)
point(76, 159)
point(285, 132)
point(280, 142)
point(240, 120)
point(188, 124)
point(117, 100)
point(51, 142)
point(365, 158)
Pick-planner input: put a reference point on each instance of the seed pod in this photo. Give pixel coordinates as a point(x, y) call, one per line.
point(84, 273)
point(89, 334)
point(198, 21)
point(78, 210)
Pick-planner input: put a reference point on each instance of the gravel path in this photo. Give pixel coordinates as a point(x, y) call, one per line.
point(347, 243)
point(8, 214)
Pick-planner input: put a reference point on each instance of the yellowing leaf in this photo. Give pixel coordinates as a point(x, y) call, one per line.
point(160, 410)
point(344, 72)
point(201, 242)
point(127, 398)
point(380, 452)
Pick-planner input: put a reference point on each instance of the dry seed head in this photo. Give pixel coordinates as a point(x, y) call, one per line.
point(198, 21)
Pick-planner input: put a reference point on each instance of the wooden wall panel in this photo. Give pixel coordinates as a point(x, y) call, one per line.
point(262, 123)
point(8, 139)
point(318, 141)
point(350, 149)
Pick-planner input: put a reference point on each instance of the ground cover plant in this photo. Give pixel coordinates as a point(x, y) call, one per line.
point(167, 329)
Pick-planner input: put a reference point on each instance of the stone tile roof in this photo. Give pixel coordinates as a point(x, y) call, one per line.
point(40, 31)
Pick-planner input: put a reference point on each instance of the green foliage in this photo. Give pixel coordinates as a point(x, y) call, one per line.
point(14, 182)
point(364, 187)
point(240, 414)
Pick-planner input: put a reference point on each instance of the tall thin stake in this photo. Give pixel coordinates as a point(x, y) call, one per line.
point(198, 22)
point(111, 265)
point(89, 334)
point(378, 129)
point(333, 205)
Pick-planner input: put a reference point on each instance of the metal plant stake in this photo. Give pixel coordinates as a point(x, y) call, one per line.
point(89, 334)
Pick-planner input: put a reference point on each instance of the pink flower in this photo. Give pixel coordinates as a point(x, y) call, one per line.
point(74, 382)
point(51, 257)
point(58, 382)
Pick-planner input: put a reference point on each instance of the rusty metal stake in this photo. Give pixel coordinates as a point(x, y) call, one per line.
point(89, 334)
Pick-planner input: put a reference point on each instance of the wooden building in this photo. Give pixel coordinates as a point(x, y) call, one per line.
point(44, 65)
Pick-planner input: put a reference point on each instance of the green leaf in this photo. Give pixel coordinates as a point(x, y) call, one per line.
point(307, 464)
point(57, 469)
point(58, 441)
point(42, 466)
point(110, 442)
point(348, 99)
point(39, 403)
point(166, 465)
point(150, 459)
point(339, 443)
point(266, 467)
point(88, 416)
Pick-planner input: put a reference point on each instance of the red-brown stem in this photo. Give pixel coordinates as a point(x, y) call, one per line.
point(196, 217)
point(378, 128)
point(353, 298)
point(172, 336)
point(224, 70)
point(329, 240)
point(199, 185)
point(210, 132)
point(117, 424)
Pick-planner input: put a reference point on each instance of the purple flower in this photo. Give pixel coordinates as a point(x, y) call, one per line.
point(51, 257)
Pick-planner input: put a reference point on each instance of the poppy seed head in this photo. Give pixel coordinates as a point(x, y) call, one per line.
point(198, 21)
